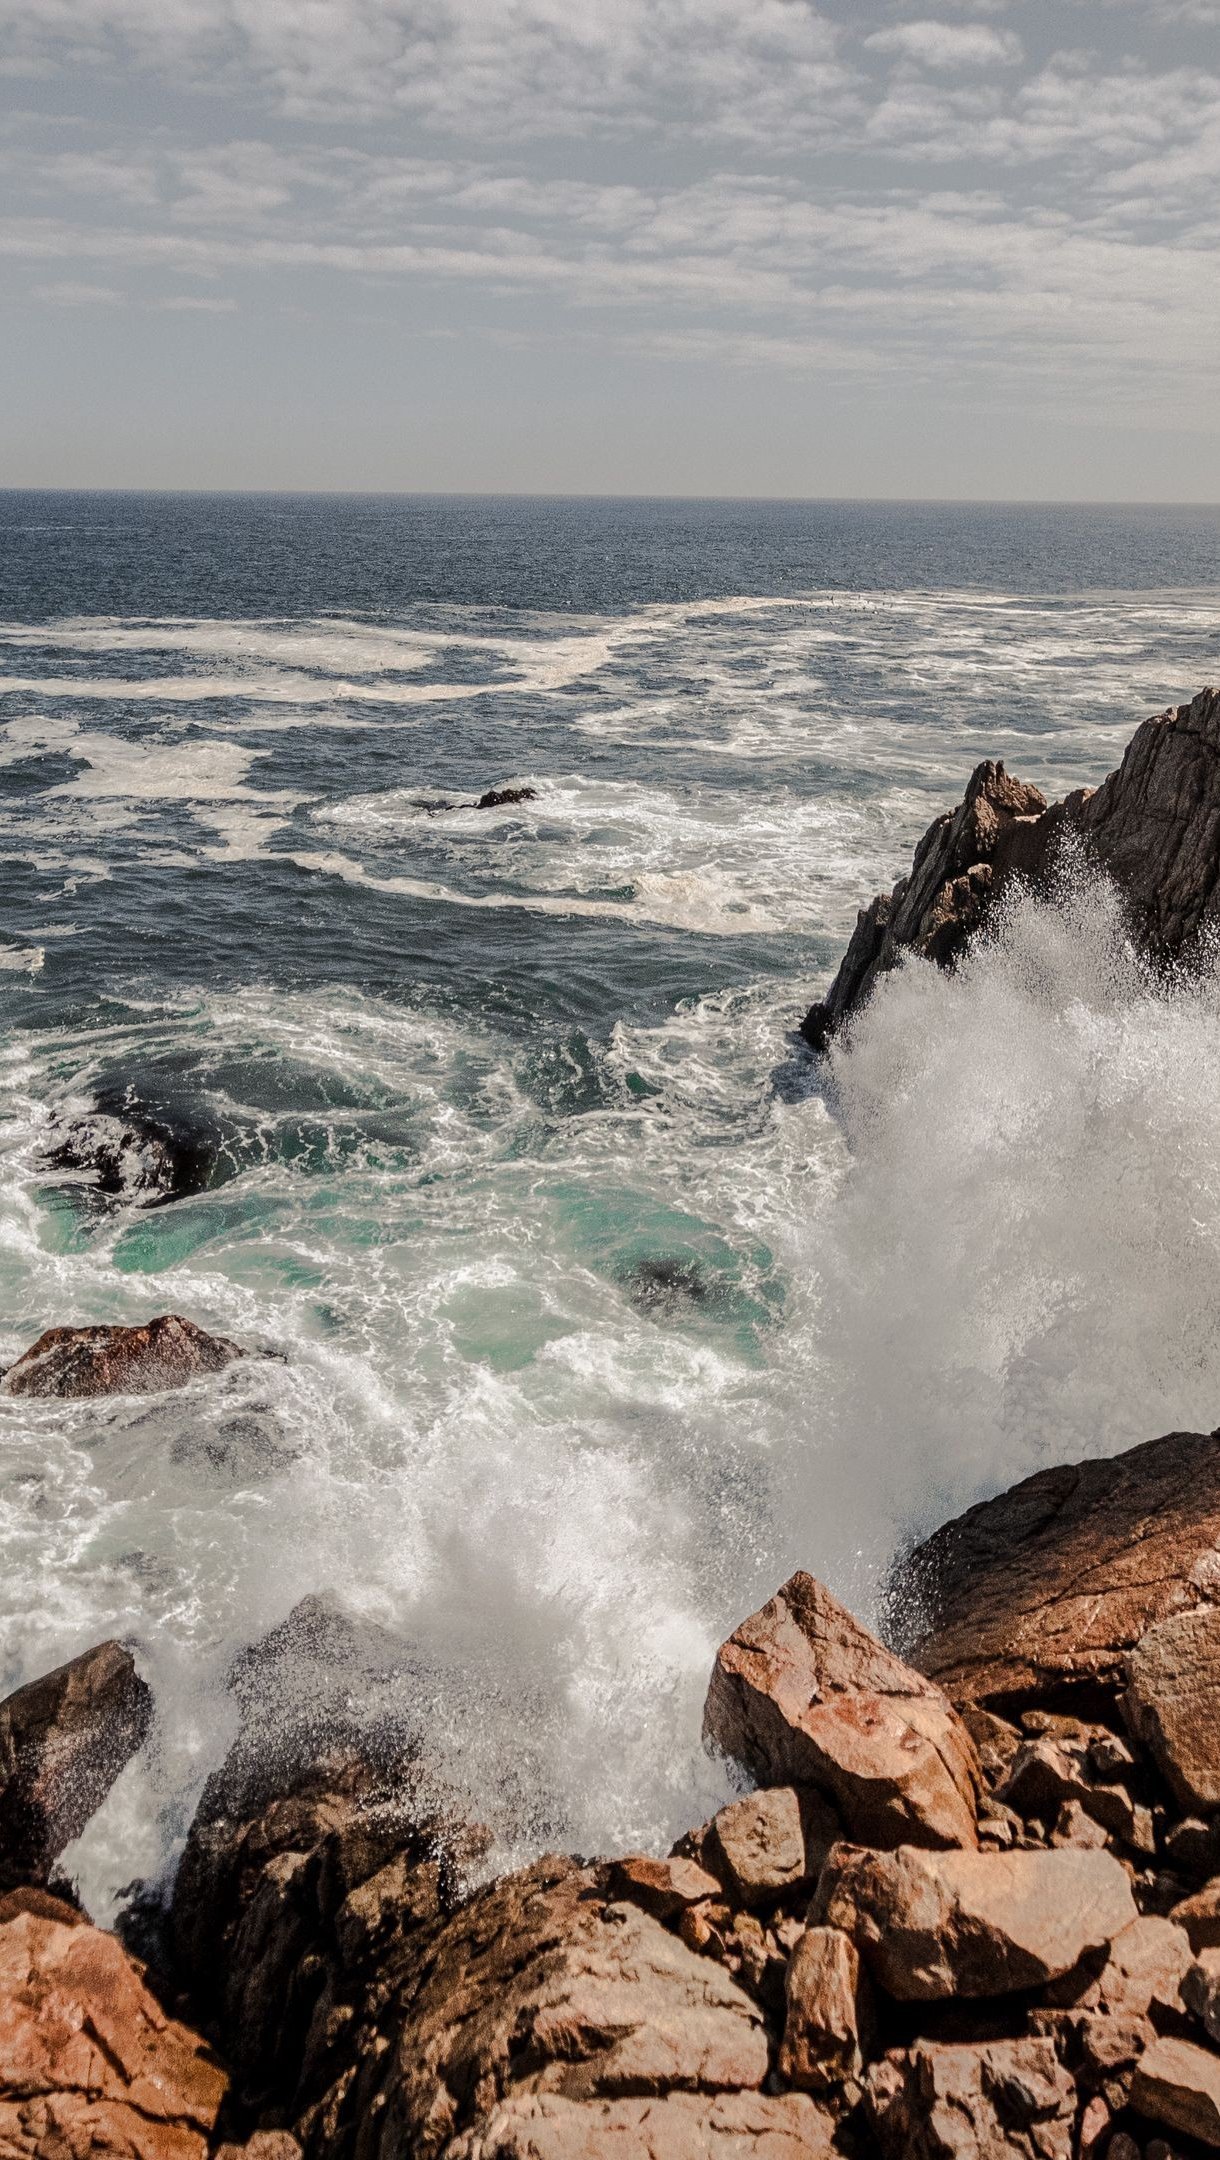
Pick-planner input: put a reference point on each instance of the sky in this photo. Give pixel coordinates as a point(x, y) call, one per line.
point(704, 247)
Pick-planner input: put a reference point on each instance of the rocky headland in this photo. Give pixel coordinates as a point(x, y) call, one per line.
point(964, 1906)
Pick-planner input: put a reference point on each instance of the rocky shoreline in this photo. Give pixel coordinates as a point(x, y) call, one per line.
point(966, 1902)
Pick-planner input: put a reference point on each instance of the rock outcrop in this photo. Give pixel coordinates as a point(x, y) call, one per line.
point(163, 1353)
point(89, 2062)
point(63, 1740)
point(1153, 826)
point(1043, 1593)
point(802, 1694)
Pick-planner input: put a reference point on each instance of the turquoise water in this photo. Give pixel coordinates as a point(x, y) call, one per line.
point(602, 1305)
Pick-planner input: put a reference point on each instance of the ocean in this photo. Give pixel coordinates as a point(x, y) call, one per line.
point(599, 1304)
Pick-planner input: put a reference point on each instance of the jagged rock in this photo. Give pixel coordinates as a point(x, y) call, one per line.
point(829, 2024)
point(1040, 1594)
point(1199, 1915)
point(1201, 1992)
point(1104, 2019)
point(1172, 1702)
point(802, 1694)
point(663, 1887)
point(1045, 1776)
point(935, 909)
point(1178, 2084)
point(1001, 2100)
point(538, 1985)
point(63, 1740)
point(500, 798)
point(937, 1924)
point(1154, 826)
point(771, 1842)
point(129, 1150)
point(163, 1353)
point(682, 2126)
point(89, 2062)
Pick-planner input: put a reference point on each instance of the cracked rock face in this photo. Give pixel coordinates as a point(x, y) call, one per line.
point(1153, 826)
point(89, 2062)
point(1047, 1589)
point(802, 1693)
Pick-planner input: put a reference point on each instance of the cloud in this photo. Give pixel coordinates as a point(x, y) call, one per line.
point(66, 293)
point(949, 47)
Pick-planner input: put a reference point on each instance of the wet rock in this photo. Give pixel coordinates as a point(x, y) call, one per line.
point(127, 1150)
point(936, 1924)
point(663, 1286)
point(934, 910)
point(1172, 1702)
point(238, 1449)
point(1178, 2084)
point(662, 1887)
point(1002, 2100)
point(830, 2020)
point(682, 2126)
point(1154, 826)
point(1040, 1595)
point(802, 1694)
point(771, 1842)
point(63, 1740)
point(502, 798)
point(89, 2062)
point(164, 1353)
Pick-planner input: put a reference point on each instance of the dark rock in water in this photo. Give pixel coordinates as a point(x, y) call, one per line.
point(248, 1445)
point(501, 798)
point(664, 1286)
point(130, 1152)
point(163, 1353)
point(1044, 1592)
point(1153, 826)
point(63, 1741)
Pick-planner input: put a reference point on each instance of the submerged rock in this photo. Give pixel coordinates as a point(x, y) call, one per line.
point(802, 1693)
point(128, 1151)
point(63, 1740)
point(1153, 826)
point(502, 798)
point(89, 2062)
point(162, 1353)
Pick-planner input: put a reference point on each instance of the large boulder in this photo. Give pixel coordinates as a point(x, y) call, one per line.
point(63, 1740)
point(802, 1694)
point(1177, 2084)
point(89, 2062)
point(932, 1925)
point(682, 2126)
point(541, 1985)
point(998, 2100)
point(1041, 1594)
point(1154, 826)
point(163, 1353)
point(1173, 1702)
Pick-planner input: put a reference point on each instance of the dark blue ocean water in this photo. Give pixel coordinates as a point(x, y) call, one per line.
point(598, 1307)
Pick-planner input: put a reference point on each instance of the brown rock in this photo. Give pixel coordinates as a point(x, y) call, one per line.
point(1045, 1590)
point(724, 2126)
point(802, 1694)
point(663, 1887)
point(935, 909)
point(829, 2025)
point(1045, 1776)
point(63, 1740)
point(264, 2145)
point(1002, 2100)
point(1172, 1702)
point(1178, 2084)
point(89, 2063)
point(932, 1925)
point(1153, 826)
point(771, 1842)
point(164, 1353)
point(1199, 1915)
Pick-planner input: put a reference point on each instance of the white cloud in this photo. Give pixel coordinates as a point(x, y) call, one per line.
point(66, 293)
point(949, 47)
